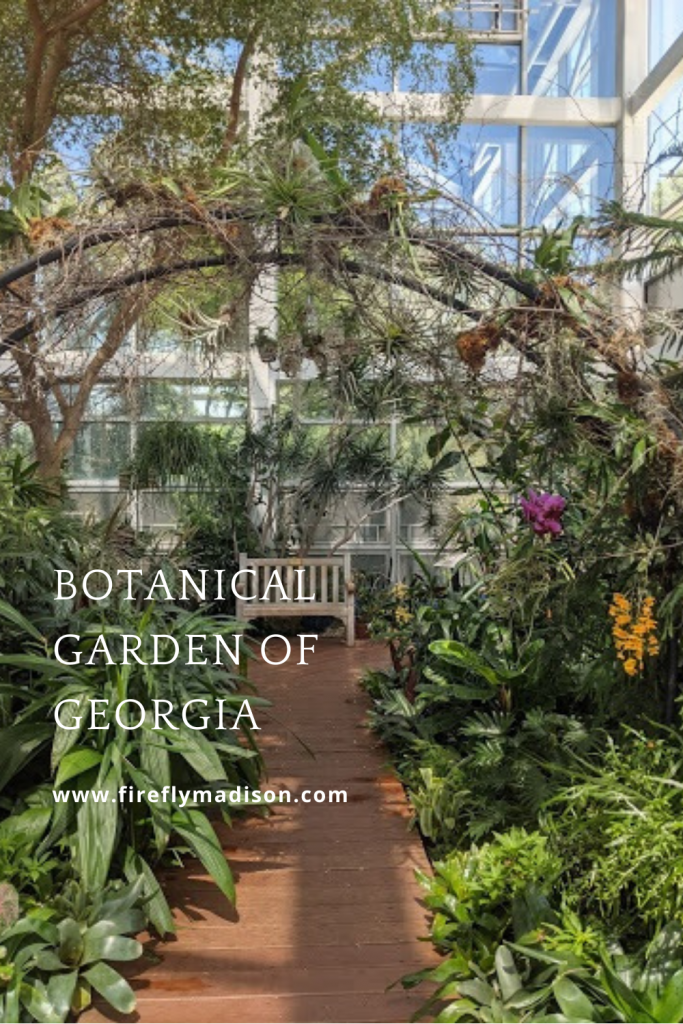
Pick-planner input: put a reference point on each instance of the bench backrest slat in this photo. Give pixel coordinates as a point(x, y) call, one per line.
point(314, 580)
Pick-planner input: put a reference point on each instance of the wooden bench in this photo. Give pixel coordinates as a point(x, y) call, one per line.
point(328, 579)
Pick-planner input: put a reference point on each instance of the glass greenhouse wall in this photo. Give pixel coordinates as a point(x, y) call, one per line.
point(576, 102)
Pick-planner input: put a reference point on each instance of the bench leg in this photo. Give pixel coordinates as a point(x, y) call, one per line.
point(351, 627)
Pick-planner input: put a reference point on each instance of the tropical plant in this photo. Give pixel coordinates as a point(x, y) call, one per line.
point(539, 985)
point(617, 821)
point(481, 894)
point(55, 958)
point(108, 833)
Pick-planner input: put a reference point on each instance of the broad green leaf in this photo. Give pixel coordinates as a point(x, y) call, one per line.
point(669, 1007)
point(60, 991)
point(82, 996)
point(195, 828)
point(47, 960)
point(625, 999)
point(156, 905)
point(11, 614)
point(477, 989)
point(506, 971)
point(122, 901)
point(457, 653)
point(572, 1001)
point(97, 830)
point(18, 745)
point(75, 763)
point(70, 941)
point(112, 987)
point(109, 947)
point(67, 738)
point(27, 827)
point(438, 441)
point(199, 753)
point(38, 1003)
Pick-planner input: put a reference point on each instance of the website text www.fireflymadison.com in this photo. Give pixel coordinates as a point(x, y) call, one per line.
point(241, 795)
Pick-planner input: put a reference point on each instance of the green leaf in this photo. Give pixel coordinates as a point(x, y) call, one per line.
point(572, 1001)
point(625, 999)
point(437, 442)
point(35, 663)
point(96, 836)
point(669, 1007)
point(67, 737)
point(196, 830)
point(156, 905)
point(122, 900)
point(75, 763)
point(109, 947)
point(38, 1004)
point(47, 960)
point(477, 989)
point(60, 992)
point(11, 614)
point(457, 653)
point(70, 941)
point(506, 971)
point(27, 827)
point(447, 461)
point(19, 744)
point(112, 987)
point(156, 763)
point(639, 454)
point(199, 753)
point(470, 692)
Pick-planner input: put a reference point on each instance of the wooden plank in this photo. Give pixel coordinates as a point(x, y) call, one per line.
point(328, 910)
point(266, 609)
point(296, 562)
point(350, 1008)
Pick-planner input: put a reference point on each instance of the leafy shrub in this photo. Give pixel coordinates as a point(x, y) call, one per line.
point(535, 984)
point(53, 959)
point(77, 878)
point(481, 894)
point(619, 825)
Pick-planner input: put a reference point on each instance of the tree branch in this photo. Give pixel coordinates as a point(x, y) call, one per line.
point(79, 16)
point(235, 104)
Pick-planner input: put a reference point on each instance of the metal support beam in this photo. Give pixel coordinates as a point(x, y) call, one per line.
point(657, 84)
point(572, 112)
point(263, 300)
point(632, 138)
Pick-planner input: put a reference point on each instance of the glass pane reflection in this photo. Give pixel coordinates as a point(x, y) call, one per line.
point(665, 171)
point(479, 177)
point(666, 23)
point(571, 48)
point(498, 69)
point(569, 172)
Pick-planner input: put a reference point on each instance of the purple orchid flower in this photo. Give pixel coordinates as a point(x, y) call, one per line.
point(544, 512)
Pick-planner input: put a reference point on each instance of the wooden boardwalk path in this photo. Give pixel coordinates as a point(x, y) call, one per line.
point(328, 910)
